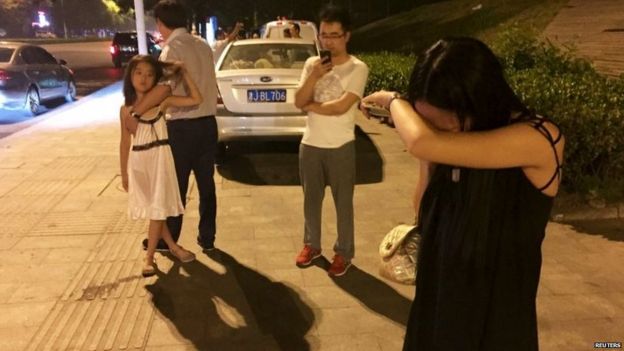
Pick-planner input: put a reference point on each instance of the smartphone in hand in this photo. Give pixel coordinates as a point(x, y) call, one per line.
point(376, 110)
point(325, 56)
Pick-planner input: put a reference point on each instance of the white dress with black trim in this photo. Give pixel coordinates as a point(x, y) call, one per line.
point(152, 183)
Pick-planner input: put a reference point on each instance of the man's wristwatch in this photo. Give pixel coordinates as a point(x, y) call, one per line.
point(395, 96)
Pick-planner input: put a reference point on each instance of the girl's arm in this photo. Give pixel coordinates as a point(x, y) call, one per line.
point(516, 145)
point(153, 98)
point(124, 149)
point(193, 98)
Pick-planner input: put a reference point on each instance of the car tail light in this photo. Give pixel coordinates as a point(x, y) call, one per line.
point(114, 49)
point(4, 75)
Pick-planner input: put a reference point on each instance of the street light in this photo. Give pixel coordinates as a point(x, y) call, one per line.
point(63, 13)
point(139, 15)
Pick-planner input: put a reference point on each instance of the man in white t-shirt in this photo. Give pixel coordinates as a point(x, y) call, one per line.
point(329, 92)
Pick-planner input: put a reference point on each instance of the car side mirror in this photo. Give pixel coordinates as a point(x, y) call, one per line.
point(62, 62)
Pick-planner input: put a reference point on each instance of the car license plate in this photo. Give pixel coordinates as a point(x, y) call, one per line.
point(266, 95)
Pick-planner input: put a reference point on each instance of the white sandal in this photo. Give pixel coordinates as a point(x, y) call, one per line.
point(149, 269)
point(183, 255)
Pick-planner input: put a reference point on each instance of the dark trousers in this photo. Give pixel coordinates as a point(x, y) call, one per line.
point(193, 144)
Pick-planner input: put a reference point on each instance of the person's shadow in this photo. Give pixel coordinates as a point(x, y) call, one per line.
point(237, 310)
point(375, 294)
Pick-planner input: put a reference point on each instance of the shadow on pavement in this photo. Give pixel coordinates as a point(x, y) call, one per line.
point(611, 229)
point(209, 310)
point(277, 163)
point(375, 294)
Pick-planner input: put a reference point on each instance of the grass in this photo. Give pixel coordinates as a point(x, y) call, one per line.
point(412, 31)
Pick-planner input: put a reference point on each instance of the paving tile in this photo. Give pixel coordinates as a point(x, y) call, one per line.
point(327, 297)
point(577, 307)
point(316, 276)
point(345, 342)
point(24, 315)
point(61, 272)
point(39, 291)
point(15, 339)
point(66, 255)
point(7, 290)
point(333, 321)
point(56, 242)
point(291, 276)
point(24, 257)
point(8, 243)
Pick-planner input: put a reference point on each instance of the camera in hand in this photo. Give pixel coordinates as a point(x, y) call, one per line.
point(325, 56)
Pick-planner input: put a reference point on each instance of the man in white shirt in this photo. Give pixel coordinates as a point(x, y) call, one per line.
point(329, 93)
point(192, 131)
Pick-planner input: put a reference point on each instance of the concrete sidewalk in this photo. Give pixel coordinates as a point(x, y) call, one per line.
point(71, 259)
point(595, 29)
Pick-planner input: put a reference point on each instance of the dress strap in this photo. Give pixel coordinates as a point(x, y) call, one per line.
point(151, 121)
point(538, 123)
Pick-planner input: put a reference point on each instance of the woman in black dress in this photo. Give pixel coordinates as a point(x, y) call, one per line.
point(495, 169)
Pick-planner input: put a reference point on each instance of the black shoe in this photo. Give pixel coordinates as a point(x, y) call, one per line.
point(206, 247)
point(160, 247)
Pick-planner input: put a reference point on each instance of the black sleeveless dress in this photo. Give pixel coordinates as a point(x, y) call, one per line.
point(480, 259)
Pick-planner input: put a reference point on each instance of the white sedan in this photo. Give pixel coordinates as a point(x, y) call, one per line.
point(257, 79)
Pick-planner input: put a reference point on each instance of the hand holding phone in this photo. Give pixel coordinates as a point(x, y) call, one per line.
point(325, 56)
point(375, 110)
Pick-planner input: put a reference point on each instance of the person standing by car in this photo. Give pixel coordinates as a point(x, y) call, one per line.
point(192, 130)
point(295, 31)
point(329, 91)
point(223, 39)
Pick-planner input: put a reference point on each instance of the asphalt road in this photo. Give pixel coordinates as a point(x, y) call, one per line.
point(93, 70)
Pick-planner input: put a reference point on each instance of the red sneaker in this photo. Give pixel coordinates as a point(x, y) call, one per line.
point(307, 255)
point(339, 266)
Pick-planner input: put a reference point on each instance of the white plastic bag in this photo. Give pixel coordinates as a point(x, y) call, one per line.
point(399, 251)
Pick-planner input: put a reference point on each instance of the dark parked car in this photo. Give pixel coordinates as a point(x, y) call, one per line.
point(125, 46)
point(29, 75)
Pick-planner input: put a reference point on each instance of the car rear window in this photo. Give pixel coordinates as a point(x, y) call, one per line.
point(5, 54)
point(263, 56)
point(125, 38)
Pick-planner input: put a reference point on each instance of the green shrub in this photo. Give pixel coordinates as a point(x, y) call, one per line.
point(589, 107)
point(389, 71)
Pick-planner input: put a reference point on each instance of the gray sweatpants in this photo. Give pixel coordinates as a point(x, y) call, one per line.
point(319, 167)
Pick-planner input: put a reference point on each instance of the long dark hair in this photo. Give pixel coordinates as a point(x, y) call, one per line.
point(463, 75)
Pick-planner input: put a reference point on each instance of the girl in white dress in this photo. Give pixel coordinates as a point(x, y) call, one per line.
point(147, 168)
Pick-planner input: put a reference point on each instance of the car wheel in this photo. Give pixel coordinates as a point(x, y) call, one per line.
point(33, 102)
point(117, 62)
point(221, 154)
point(71, 91)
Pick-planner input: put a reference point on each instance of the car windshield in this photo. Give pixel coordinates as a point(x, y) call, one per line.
point(276, 55)
point(5, 54)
